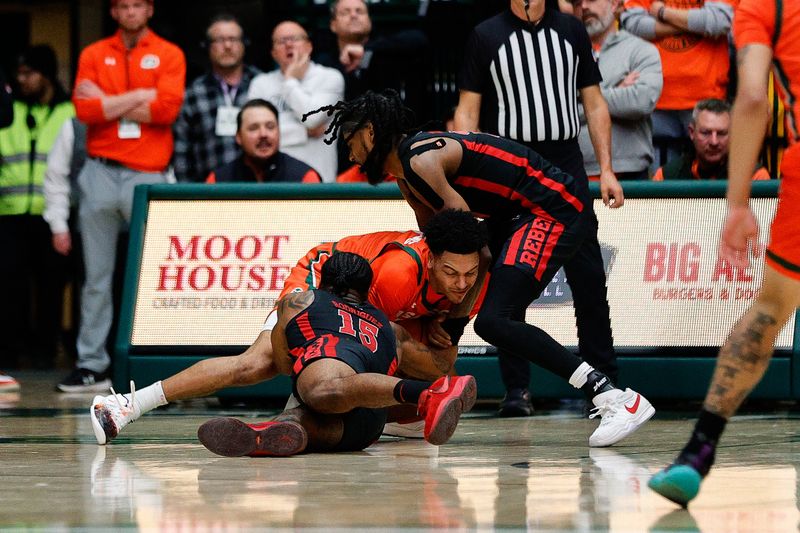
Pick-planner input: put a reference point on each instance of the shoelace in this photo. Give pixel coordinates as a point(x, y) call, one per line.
point(610, 408)
point(121, 407)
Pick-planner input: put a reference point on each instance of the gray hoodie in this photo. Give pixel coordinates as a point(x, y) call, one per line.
point(629, 107)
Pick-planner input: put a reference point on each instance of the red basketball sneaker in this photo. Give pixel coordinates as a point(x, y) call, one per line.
point(233, 438)
point(442, 405)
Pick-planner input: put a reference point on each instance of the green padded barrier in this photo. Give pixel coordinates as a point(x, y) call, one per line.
point(659, 375)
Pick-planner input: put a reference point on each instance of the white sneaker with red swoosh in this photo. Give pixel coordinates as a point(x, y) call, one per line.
point(622, 413)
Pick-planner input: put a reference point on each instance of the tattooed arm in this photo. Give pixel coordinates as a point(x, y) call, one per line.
point(288, 307)
point(419, 361)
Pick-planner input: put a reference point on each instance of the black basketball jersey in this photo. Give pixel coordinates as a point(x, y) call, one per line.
point(500, 179)
point(342, 326)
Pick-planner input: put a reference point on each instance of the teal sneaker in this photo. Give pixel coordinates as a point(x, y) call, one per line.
point(678, 483)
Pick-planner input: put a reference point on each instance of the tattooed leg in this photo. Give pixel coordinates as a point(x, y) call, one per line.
point(745, 356)
point(742, 361)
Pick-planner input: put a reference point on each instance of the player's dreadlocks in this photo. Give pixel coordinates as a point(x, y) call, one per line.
point(390, 120)
point(345, 272)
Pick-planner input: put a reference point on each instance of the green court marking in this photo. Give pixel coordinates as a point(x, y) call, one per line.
point(89, 439)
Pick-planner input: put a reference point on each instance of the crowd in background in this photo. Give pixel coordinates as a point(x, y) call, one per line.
point(71, 162)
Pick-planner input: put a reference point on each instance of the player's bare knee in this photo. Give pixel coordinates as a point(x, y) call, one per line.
point(326, 397)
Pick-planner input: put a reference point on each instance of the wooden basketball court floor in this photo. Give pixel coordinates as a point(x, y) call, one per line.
point(534, 474)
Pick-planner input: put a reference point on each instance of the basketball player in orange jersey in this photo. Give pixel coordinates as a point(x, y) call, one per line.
point(767, 33)
point(339, 349)
point(418, 276)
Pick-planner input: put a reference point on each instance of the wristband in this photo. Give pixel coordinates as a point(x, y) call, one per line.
point(660, 15)
point(455, 328)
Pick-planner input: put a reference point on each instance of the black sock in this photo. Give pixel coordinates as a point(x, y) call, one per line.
point(699, 452)
point(596, 383)
point(409, 390)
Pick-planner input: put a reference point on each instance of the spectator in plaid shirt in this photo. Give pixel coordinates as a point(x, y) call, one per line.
point(206, 126)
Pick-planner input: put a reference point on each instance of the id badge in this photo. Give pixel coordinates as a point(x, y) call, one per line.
point(226, 121)
point(128, 129)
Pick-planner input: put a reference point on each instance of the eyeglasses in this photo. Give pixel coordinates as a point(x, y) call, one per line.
point(283, 41)
point(350, 11)
point(225, 40)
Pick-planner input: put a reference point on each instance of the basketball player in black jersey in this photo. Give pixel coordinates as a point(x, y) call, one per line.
point(537, 217)
point(339, 350)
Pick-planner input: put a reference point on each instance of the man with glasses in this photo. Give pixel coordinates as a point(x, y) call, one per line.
point(296, 87)
point(206, 127)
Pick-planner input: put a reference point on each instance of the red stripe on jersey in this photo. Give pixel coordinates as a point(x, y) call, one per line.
point(513, 247)
point(297, 353)
point(329, 348)
point(305, 327)
point(502, 190)
point(392, 367)
point(547, 252)
point(524, 163)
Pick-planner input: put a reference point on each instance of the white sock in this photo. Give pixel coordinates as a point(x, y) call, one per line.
point(579, 377)
point(149, 397)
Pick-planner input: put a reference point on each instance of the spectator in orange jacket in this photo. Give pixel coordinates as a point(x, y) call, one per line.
point(709, 131)
point(128, 90)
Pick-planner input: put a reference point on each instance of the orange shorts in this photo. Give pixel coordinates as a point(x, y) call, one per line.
point(783, 252)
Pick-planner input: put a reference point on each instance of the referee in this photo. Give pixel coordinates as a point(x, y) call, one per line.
point(524, 72)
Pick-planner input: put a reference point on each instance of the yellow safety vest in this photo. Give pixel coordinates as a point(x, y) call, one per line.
point(23, 155)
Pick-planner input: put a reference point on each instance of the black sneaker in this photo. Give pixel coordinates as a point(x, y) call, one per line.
point(517, 402)
point(83, 380)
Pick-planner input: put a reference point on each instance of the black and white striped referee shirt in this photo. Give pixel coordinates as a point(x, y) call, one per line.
point(529, 76)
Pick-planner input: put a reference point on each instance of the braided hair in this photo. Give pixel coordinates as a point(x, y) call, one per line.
point(346, 272)
point(390, 120)
point(455, 231)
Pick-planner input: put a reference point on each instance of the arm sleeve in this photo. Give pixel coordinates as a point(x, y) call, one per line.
point(475, 67)
point(638, 100)
point(638, 21)
point(170, 87)
point(88, 111)
point(712, 20)
point(56, 180)
point(394, 284)
point(327, 90)
point(588, 71)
